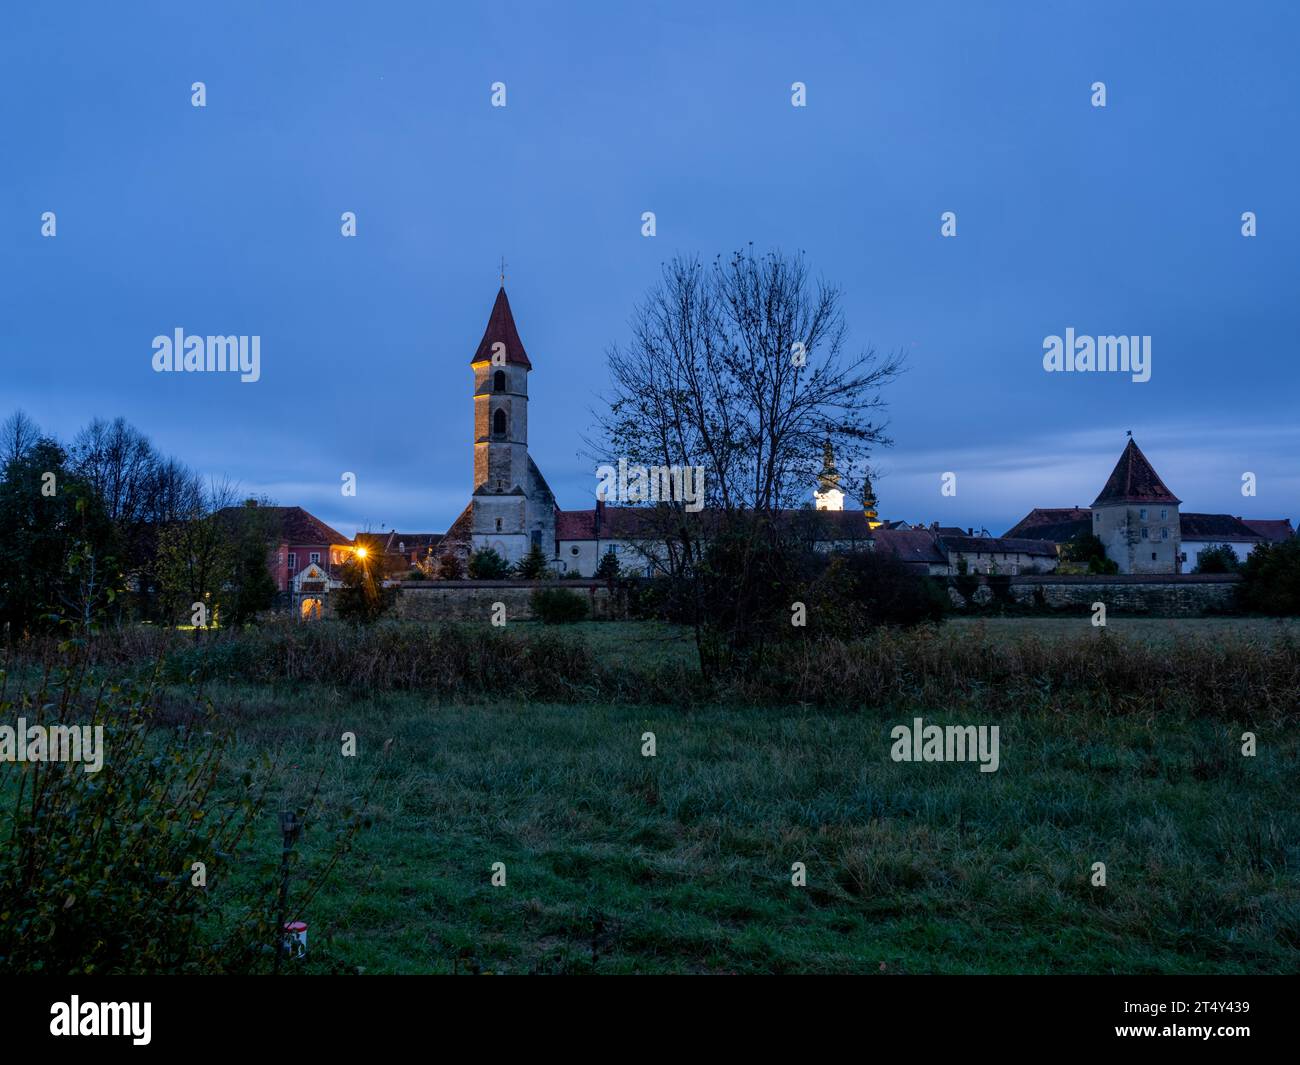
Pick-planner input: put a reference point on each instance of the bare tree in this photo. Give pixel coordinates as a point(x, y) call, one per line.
point(118, 462)
point(18, 434)
point(196, 557)
point(740, 368)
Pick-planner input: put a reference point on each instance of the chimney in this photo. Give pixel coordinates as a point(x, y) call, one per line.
point(600, 515)
point(970, 532)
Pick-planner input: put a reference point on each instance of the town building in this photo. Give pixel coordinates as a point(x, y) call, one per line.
point(1141, 526)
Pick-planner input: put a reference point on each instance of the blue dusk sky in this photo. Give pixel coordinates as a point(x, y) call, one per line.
point(226, 220)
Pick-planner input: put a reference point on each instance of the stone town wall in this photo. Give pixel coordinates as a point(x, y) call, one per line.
point(1159, 595)
point(473, 600)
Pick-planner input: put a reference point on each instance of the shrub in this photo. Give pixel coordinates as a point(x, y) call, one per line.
point(1271, 578)
point(1217, 558)
point(363, 596)
point(864, 590)
point(486, 565)
point(534, 565)
point(451, 567)
point(608, 567)
point(559, 606)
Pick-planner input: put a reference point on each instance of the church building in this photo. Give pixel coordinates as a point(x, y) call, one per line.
point(512, 507)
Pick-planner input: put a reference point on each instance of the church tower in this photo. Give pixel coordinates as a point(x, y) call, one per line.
point(512, 506)
point(869, 504)
point(828, 495)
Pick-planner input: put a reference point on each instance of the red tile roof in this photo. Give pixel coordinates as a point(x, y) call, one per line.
point(909, 545)
point(1274, 530)
point(616, 523)
point(637, 523)
point(1057, 524)
point(1134, 480)
point(997, 545)
point(296, 525)
point(501, 329)
point(1221, 528)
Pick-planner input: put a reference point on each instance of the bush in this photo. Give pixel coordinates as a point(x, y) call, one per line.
point(363, 596)
point(864, 590)
point(559, 606)
point(1271, 579)
point(534, 565)
point(486, 565)
point(1217, 558)
point(608, 567)
point(451, 567)
point(96, 874)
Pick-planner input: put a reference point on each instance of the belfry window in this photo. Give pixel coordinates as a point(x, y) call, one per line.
point(499, 381)
point(499, 423)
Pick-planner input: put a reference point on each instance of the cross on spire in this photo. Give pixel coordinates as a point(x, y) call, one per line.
point(503, 271)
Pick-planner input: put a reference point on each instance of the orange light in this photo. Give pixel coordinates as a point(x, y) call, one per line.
point(361, 552)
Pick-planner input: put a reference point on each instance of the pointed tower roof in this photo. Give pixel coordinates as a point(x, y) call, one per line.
point(1134, 480)
point(501, 329)
point(829, 477)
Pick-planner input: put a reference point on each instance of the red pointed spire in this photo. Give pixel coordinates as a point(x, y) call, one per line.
point(501, 330)
point(1134, 480)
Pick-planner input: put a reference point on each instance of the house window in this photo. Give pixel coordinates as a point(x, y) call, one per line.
point(1143, 513)
point(573, 550)
point(1096, 515)
point(1164, 513)
point(498, 524)
point(315, 558)
point(499, 423)
point(1144, 532)
point(293, 559)
point(1153, 556)
point(499, 381)
point(537, 537)
point(1164, 534)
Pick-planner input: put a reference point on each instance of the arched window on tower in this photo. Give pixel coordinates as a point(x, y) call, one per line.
point(499, 423)
point(499, 381)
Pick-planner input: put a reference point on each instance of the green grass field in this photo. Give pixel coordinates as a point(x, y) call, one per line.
point(655, 641)
point(617, 862)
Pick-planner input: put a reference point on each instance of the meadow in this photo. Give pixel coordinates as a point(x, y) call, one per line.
point(616, 862)
point(681, 862)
